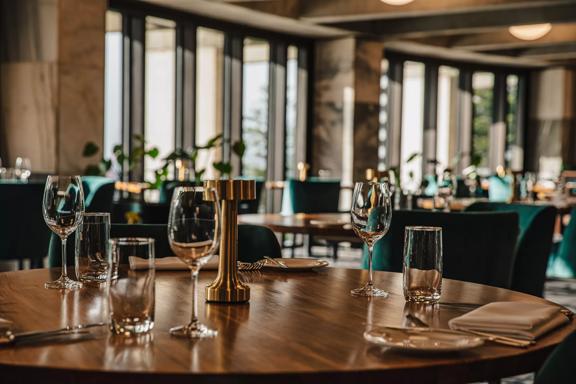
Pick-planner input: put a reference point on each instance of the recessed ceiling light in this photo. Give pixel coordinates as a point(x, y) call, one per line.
point(530, 32)
point(396, 2)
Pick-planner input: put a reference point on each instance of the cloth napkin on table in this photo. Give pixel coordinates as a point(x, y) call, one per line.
point(521, 320)
point(169, 263)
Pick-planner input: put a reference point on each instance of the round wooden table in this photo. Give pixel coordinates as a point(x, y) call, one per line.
point(297, 328)
point(319, 224)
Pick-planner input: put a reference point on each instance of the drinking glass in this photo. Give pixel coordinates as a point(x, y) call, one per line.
point(131, 295)
point(422, 266)
point(194, 235)
point(92, 256)
point(23, 168)
point(371, 215)
point(62, 207)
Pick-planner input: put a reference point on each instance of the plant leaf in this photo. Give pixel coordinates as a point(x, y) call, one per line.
point(223, 167)
point(239, 148)
point(413, 156)
point(90, 149)
point(153, 152)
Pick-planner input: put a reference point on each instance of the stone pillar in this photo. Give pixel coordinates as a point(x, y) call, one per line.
point(346, 107)
point(52, 81)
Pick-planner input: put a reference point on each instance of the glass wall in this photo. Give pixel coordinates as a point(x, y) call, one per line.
point(160, 91)
point(482, 100)
point(255, 106)
point(209, 98)
point(412, 125)
point(112, 83)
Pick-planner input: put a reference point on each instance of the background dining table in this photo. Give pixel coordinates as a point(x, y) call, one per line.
point(300, 327)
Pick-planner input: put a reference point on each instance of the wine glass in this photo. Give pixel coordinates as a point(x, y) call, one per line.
point(23, 168)
point(194, 235)
point(371, 215)
point(62, 206)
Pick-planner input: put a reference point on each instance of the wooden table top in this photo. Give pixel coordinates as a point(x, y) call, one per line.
point(298, 327)
point(322, 224)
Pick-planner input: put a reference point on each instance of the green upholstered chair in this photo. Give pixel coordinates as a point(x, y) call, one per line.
point(559, 367)
point(562, 262)
point(310, 196)
point(477, 247)
point(534, 242)
point(23, 232)
point(500, 188)
point(254, 241)
point(98, 193)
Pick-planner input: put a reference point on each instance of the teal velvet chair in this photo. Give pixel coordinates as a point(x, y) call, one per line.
point(254, 242)
point(500, 188)
point(98, 193)
point(559, 366)
point(562, 263)
point(23, 232)
point(534, 242)
point(477, 247)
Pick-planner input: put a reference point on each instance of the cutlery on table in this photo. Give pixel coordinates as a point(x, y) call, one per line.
point(67, 333)
point(277, 262)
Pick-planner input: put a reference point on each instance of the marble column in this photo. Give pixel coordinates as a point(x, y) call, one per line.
point(52, 81)
point(346, 107)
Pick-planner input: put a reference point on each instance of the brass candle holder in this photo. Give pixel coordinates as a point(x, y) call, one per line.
point(227, 288)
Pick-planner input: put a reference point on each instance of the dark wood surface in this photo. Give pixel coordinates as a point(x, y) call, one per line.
point(321, 224)
point(297, 328)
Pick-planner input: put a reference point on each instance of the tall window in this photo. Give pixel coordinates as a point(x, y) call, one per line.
point(447, 115)
point(159, 127)
point(255, 107)
point(412, 125)
point(209, 86)
point(514, 152)
point(291, 111)
point(383, 115)
point(112, 83)
point(482, 99)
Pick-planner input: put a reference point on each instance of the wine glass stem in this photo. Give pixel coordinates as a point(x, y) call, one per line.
point(64, 266)
point(370, 249)
point(194, 317)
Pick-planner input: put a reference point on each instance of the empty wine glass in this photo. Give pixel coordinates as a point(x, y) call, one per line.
point(62, 207)
point(194, 234)
point(371, 215)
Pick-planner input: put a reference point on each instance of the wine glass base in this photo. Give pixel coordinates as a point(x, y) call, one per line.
point(63, 283)
point(369, 291)
point(199, 332)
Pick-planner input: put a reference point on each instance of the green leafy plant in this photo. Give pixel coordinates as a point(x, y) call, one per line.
point(98, 169)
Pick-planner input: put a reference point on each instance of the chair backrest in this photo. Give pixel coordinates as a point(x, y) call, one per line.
point(311, 196)
point(534, 242)
point(563, 263)
point(23, 232)
point(559, 367)
point(98, 193)
point(167, 189)
point(500, 188)
point(477, 247)
point(254, 241)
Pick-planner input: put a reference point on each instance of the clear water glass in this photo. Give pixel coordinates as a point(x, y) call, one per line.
point(422, 266)
point(62, 208)
point(194, 236)
point(131, 298)
point(371, 214)
point(92, 257)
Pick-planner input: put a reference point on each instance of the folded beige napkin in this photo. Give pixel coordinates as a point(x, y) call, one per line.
point(526, 321)
point(169, 263)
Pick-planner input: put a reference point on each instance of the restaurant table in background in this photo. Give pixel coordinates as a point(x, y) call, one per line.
point(324, 224)
point(298, 327)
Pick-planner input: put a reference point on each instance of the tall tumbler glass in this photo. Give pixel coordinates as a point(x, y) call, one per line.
point(131, 295)
point(422, 266)
point(92, 256)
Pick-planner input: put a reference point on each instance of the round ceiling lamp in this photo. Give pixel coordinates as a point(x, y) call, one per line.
point(530, 32)
point(396, 2)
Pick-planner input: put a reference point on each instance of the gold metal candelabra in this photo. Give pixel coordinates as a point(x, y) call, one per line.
point(227, 288)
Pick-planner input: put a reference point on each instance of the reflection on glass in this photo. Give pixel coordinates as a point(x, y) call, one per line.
point(255, 107)
point(291, 110)
point(209, 82)
point(483, 92)
point(412, 125)
point(160, 90)
point(514, 154)
point(447, 116)
point(112, 83)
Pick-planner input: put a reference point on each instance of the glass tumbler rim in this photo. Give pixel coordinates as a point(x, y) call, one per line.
point(96, 214)
point(423, 228)
point(132, 241)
